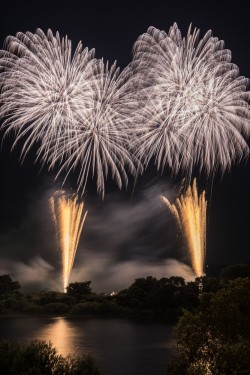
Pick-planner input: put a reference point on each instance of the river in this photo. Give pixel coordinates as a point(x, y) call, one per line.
point(120, 347)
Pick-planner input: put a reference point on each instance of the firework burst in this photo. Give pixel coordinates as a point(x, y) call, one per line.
point(196, 110)
point(73, 106)
point(99, 143)
point(44, 87)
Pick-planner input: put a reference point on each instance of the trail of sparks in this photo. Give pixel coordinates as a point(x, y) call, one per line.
point(69, 219)
point(190, 212)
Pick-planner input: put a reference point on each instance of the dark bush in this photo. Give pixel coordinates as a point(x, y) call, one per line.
point(87, 308)
point(55, 307)
point(215, 338)
point(8, 287)
point(79, 290)
point(40, 358)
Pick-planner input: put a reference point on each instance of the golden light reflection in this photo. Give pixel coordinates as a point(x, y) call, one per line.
point(61, 333)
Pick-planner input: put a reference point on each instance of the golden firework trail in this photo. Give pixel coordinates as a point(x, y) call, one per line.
point(69, 219)
point(190, 211)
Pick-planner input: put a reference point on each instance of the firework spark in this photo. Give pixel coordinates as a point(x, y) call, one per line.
point(196, 108)
point(69, 219)
point(190, 213)
point(77, 110)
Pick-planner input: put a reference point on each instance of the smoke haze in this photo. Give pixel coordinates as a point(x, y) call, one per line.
point(123, 238)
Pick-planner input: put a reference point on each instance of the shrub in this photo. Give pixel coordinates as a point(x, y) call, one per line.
point(40, 358)
point(55, 307)
point(87, 308)
point(215, 338)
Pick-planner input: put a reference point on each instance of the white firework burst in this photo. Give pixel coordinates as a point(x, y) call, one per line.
point(99, 142)
point(71, 104)
point(196, 110)
point(44, 87)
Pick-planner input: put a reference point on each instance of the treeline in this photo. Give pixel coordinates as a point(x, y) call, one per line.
point(146, 297)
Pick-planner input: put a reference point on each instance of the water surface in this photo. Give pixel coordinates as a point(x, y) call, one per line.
point(120, 347)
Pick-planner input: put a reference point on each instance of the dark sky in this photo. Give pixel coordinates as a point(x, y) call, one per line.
point(125, 236)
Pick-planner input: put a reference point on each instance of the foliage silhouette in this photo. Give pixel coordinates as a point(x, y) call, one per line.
point(40, 358)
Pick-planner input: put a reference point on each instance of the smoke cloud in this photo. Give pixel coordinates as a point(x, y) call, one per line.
point(109, 276)
point(36, 273)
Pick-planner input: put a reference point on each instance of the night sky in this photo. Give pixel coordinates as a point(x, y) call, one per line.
point(127, 235)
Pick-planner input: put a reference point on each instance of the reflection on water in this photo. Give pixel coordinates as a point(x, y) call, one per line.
point(61, 333)
point(120, 347)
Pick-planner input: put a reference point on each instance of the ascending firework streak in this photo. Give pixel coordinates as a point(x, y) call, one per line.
point(69, 219)
point(190, 212)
